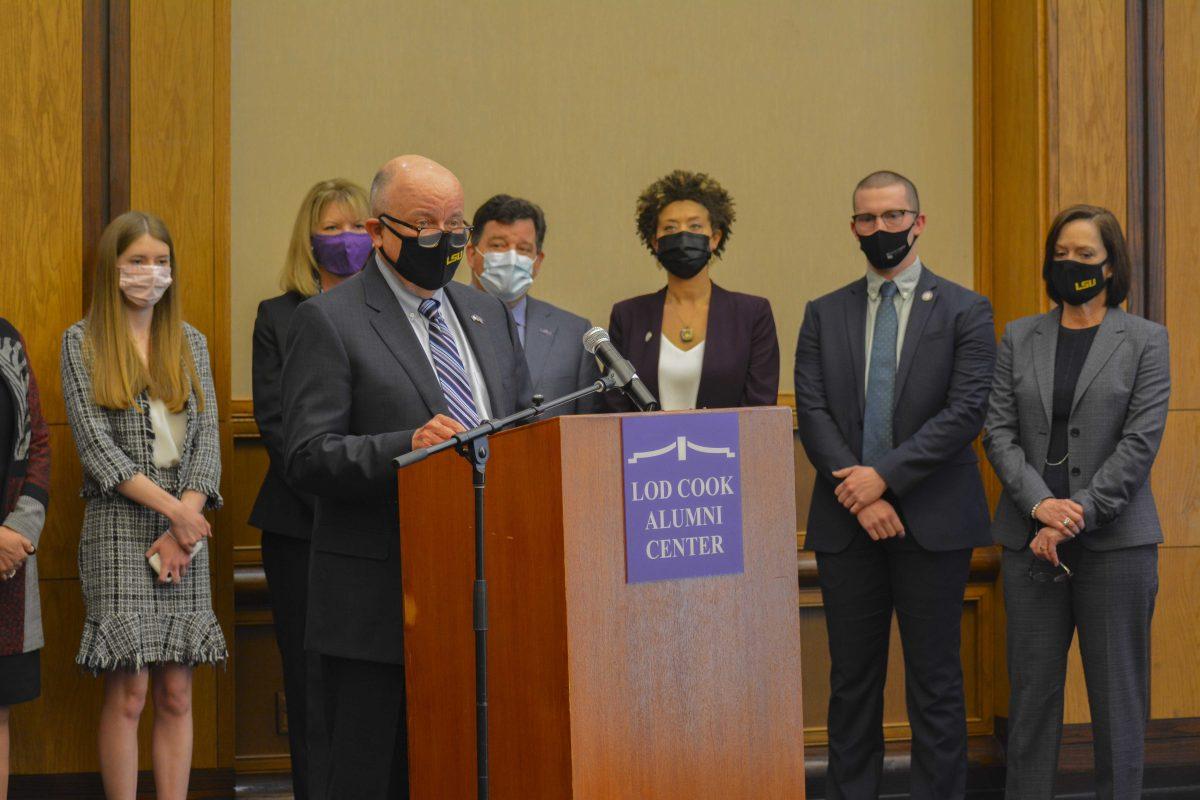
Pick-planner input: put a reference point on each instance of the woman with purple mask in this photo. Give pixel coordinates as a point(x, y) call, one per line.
point(329, 244)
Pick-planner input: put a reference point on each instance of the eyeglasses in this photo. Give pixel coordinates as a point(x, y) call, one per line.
point(1060, 574)
point(891, 220)
point(429, 236)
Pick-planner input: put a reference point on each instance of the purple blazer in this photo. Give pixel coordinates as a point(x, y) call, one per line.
point(741, 354)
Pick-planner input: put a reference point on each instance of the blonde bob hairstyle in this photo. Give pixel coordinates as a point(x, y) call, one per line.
point(118, 373)
point(299, 267)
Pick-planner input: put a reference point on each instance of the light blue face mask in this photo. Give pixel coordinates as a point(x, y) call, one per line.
point(507, 274)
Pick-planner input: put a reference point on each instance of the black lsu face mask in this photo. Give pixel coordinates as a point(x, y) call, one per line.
point(1077, 282)
point(886, 249)
point(430, 268)
point(683, 254)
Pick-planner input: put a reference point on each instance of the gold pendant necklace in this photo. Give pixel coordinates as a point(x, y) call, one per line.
point(686, 334)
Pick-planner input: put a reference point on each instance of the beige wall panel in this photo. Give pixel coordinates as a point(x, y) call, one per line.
point(1181, 119)
point(1176, 480)
point(1090, 105)
point(41, 129)
point(579, 106)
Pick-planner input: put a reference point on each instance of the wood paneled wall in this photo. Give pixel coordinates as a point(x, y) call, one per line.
point(69, 167)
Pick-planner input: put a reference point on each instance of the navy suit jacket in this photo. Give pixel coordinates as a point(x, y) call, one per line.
point(741, 351)
point(942, 386)
point(356, 385)
point(279, 508)
point(558, 364)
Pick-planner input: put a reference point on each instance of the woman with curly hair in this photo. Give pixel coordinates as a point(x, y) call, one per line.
point(694, 344)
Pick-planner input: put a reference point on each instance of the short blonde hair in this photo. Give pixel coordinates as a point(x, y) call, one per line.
point(299, 272)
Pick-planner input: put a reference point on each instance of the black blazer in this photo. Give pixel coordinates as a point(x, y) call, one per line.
point(741, 351)
point(942, 386)
point(356, 384)
point(279, 508)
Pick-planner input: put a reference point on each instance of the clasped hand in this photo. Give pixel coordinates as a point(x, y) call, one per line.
point(173, 558)
point(860, 487)
point(14, 549)
point(1064, 516)
point(1045, 544)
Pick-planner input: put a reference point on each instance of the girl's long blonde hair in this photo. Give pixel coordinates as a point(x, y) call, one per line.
point(299, 267)
point(118, 373)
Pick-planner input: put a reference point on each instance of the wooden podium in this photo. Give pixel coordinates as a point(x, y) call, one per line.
point(599, 689)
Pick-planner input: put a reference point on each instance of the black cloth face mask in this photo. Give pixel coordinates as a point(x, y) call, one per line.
point(1077, 282)
point(886, 249)
point(431, 268)
point(683, 254)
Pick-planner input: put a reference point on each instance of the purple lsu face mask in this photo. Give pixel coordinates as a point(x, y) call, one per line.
point(342, 253)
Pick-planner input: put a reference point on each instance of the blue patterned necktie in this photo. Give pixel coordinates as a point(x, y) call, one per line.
point(451, 374)
point(881, 379)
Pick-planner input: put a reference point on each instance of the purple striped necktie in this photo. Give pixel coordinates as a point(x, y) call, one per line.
point(448, 364)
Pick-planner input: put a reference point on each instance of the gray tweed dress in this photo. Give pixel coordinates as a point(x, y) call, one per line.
point(132, 620)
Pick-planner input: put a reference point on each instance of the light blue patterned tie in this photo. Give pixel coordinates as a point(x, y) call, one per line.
point(881, 379)
point(451, 374)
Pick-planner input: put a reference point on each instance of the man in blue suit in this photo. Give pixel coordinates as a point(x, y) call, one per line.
point(506, 256)
point(892, 379)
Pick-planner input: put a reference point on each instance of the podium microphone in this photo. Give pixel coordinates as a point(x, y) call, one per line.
point(597, 343)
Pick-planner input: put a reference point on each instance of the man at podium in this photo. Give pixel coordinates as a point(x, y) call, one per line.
point(397, 357)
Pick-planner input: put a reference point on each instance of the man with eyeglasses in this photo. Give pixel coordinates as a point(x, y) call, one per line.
point(892, 376)
point(396, 358)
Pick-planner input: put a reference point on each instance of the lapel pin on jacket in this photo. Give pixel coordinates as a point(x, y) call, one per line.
point(477, 318)
point(649, 335)
point(546, 331)
point(928, 295)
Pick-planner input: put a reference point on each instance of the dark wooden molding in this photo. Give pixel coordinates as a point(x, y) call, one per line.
point(1155, 293)
point(105, 123)
point(204, 784)
point(1145, 227)
point(118, 106)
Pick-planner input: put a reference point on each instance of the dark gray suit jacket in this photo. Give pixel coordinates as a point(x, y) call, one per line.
point(1116, 425)
point(941, 394)
point(356, 385)
point(558, 364)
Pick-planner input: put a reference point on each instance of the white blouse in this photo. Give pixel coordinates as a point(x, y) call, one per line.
point(678, 375)
point(169, 433)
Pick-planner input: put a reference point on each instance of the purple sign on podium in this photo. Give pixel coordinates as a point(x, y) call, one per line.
point(683, 496)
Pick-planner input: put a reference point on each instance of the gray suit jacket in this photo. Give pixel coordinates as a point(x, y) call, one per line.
point(558, 364)
point(356, 385)
point(1116, 424)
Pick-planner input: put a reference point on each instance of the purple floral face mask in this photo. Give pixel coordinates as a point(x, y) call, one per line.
point(342, 253)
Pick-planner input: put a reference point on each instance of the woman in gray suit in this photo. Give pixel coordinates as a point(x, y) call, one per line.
point(1077, 412)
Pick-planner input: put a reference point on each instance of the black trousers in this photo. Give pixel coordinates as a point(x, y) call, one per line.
point(285, 562)
point(860, 587)
point(368, 729)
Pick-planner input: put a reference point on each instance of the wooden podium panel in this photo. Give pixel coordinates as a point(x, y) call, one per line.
point(599, 688)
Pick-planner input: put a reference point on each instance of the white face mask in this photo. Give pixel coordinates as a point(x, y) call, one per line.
point(144, 284)
point(506, 275)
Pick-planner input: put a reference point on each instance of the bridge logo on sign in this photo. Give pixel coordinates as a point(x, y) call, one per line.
point(683, 496)
point(680, 447)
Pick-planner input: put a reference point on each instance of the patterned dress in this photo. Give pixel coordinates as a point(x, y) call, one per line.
point(132, 620)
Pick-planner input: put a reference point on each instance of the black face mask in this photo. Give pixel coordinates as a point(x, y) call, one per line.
point(683, 254)
point(430, 268)
point(1076, 282)
point(886, 249)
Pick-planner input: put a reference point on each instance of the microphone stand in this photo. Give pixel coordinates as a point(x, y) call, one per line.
point(473, 446)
